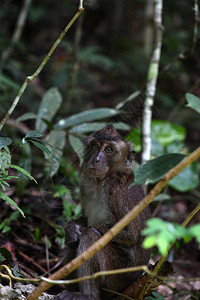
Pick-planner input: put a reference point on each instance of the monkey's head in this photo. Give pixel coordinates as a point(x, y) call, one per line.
point(105, 153)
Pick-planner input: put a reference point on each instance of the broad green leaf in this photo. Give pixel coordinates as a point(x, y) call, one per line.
point(33, 134)
point(27, 116)
point(135, 137)
point(11, 202)
point(86, 116)
point(193, 102)
point(41, 147)
point(5, 160)
point(154, 169)
point(6, 254)
point(56, 139)
point(23, 172)
point(50, 104)
point(186, 180)
point(166, 133)
point(77, 145)
point(89, 127)
point(4, 141)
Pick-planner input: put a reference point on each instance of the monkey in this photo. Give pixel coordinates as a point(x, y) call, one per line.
point(106, 196)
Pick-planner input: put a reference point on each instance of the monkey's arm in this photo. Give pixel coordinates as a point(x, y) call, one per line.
point(73, 230)
point(122, 201)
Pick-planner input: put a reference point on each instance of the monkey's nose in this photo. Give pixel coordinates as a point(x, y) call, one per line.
point(97, 159)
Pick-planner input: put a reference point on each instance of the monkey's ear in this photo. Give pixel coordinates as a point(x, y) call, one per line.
point(131, 151)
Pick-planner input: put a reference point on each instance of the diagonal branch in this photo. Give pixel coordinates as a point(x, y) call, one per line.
point(41, 66)
point(75, 263)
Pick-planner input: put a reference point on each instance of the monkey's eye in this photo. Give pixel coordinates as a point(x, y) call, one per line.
point(95, 146)
point(108, 149)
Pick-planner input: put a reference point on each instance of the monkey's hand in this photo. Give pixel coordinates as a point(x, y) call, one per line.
point(73, 231)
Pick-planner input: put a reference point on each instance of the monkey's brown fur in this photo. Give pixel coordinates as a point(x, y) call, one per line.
point(106, 174)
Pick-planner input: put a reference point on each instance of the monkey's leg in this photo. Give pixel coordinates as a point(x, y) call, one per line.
point(110, 257)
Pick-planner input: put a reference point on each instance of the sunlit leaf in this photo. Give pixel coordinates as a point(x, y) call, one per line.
point(193, 102)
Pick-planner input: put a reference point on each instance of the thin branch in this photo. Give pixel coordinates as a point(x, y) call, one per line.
point(75, 263)
point(100, 274)
point(151, 81)
point(39, 69)
point(196, 20)
point(18, 30)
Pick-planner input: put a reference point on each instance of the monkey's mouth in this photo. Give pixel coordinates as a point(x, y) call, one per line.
point(96, 172)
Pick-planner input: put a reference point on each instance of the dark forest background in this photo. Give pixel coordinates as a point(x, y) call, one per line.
point(102, 60)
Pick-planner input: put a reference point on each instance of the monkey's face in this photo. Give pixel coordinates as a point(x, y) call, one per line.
point(105, 153)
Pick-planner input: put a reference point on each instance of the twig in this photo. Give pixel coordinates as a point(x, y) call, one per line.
point(99, 274)
point(18, 30)
point(37, 72)
point(196, 20)
point(151, 81)
point(75, 263)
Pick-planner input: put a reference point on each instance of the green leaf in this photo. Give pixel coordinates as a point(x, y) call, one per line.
point(77, 145)
point(5, 160)
point(193, 102)
point(26, 116)
point(11, 202)
point(135, 137)
point(25, 162)
point(41, 147)
point(56, 139)
point(33, 134)
point(149, 242)
point(86, 116)
point(37, 234)
point(4, 80)
point(89, 127)
point(50, 104)
point(92, 55)
point(6, 254)
point(187, 179)
point(154, 169)
point(4, 141)
point(128, 99)
point(23, 172)
point(166, 133)
point(194, 232)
